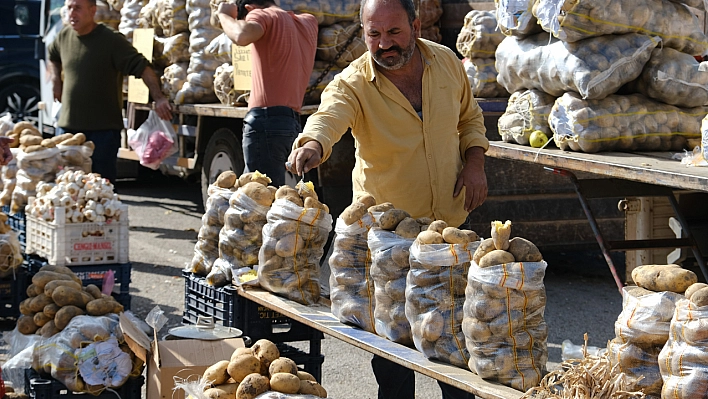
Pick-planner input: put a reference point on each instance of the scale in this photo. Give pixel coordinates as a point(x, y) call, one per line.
point(205, 329)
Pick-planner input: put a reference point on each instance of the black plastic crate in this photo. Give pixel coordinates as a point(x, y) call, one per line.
point(312, 363)
point(13, 290)
point(39, 387)
point(231, 310)
point(92, 274)
point(18, 223)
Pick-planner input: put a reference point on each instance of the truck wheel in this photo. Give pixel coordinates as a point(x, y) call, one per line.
point(20, 99)
point(223, 152)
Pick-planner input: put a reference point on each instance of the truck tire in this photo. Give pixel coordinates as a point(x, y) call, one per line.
point(223, 152)
point(20, 99)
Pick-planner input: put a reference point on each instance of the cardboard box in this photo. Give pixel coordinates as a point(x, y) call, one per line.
point(183, 358)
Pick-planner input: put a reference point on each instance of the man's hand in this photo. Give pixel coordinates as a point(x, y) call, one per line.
point(163, 109)
point(473, 178)
point(305, 158)
point(5, 154)
point(228, 9)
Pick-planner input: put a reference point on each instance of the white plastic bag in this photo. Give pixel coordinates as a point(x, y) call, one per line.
point(153, 141)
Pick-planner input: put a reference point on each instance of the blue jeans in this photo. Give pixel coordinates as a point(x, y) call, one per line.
point(268, 136)
point(105, 155)
point(398, 382)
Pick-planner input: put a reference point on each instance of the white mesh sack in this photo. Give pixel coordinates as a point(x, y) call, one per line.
point(129, 14)
point(526, 112)
point(172, 17)
point(148, 17)
point(516, 17)
point(429, 12)
point(331, 40)
point(482, 75)
point(173, 78)
point(595, 67)
point(220, 49)
point(327, 12)
point(224, 87)
point(479, 36)
point(170, 50)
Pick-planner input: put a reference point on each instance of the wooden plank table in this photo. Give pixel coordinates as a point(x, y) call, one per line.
point(648, 167)
point(319, 317)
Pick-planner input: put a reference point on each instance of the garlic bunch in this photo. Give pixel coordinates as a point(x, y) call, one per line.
point(84, 197)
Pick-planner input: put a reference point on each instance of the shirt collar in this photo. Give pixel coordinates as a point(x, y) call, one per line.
point(370, 66)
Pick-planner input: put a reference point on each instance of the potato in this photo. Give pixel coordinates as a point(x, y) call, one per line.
point(501, 233)
point(48, 329)
point(282, 365)
point(308, 387)
point(252, 386)
point(65, 314)
point(290, 194)
point(408, 228)
point(453, 235)
point(438, 226)
point(26, 325)
point(430, 237)
point(285, 383)
point(311, 202)
point(258, 192)
point(496, 257)
point(289, 245)
point(21, 126)
point(64, 295)
point(38, 303)
point(524, 250)
point(433, 325)
point(485, 247)
point(699, 298)
point(61, 269)
point(29, 140)
point(471, 235)
point(40, 319)
point(386, 206)
point(367, 199)
point(80, 137)
point(353, 212)
point(51, 310)
point(32, 290)
point(94, 332)
point(391, 218)
point(265, 351)
point(24, 307)
point(216, 374)
point(94, 291)
point(226, 179)
point(306, 189)
point(47, 143)
point(664, 278)
point(693, 288)
point(304, 375)
point(241, 366)
point(223, 391)
point(241, 351)
point(103, 306)
point(43, 277)
point(52, 285)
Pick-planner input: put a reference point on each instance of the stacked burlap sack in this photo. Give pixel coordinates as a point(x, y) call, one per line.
point(240, 239)
point(643, 326)
point(477, 42)
point(505, 299)
point(516, 18)
point(622, 123)
point(350, 282)
point(526, 112)
point(293, 243)
point(435, 291)
point(682, 361)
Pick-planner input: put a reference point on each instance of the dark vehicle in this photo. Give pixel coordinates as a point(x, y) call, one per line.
point(19, 65)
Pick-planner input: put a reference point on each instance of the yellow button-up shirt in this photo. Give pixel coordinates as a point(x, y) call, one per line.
point(400, 158)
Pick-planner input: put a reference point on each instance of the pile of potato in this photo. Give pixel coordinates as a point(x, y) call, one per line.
point(293, 243)
point(517, 19)
point(170, 50)
point(206, 250)
point(479, 36)
point(435, 292)
point(10, 253)
point(172, 17)
point(58, 356)
point(482, 75)
point(240, 239)
point(622, 123)
point(350, 283)
point(253, 371)
point(574, 20)
point(85, 198)
point(682, 361)
point(173, 78)
point(505, 299)
point(595, 68)
point(331, 40)
point(674, 78)
point(55, 297)
point(526, 112)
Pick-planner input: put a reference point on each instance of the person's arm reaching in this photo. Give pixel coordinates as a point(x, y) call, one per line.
point(239, 31)
point(162, 105)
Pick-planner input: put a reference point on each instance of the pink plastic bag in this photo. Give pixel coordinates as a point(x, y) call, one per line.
point(153, 141)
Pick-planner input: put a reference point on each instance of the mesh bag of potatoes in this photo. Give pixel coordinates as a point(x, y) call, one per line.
point(129, 14)
point(220, 48)
point(63, 356)
point(433, 34)
point(74, 153)
point(574, 20)
point(482, 75)
point(682, 360)
point(172, 17)
point(516, 18)
point(148, 17)
point(116, 4)
point(429, 12)
point(622, 123)
point(293, 244)
point(10, 253)
point(479, 36)
point(240, 239)
point(327, 12)
point(595, 68)
point(224, 87)
point(9, 178)
point(170, 50)
point(350, 282)
point(526, 112)
point(206, 250)
point(106, 15)
point(173, 78)
point(674, 78)
point(505, 300)
point(39, 165)
point(435, 291)
point(331, 40)
point(313, 96)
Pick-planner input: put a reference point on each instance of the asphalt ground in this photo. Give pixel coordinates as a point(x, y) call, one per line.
point(165, 216)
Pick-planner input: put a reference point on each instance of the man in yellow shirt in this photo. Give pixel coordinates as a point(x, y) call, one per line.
point(419, 136)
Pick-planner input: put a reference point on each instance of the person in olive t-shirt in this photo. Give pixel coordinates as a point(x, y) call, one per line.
point(94, 58)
